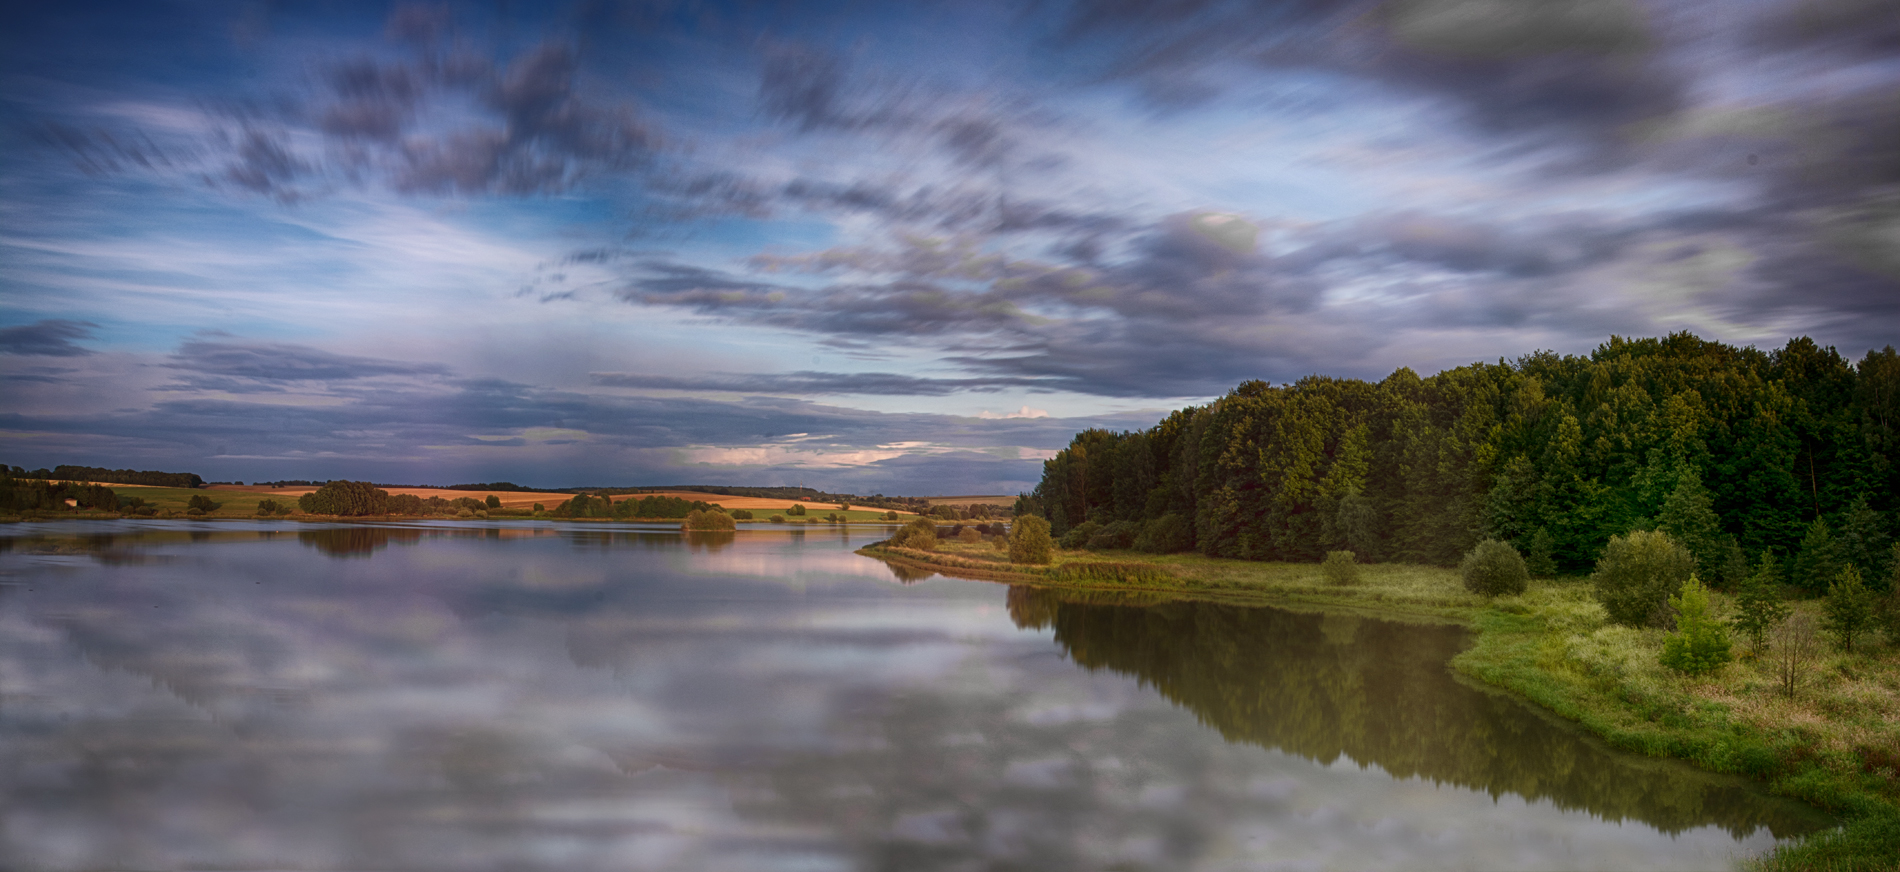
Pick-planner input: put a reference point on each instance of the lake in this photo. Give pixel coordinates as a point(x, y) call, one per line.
point(524, 696)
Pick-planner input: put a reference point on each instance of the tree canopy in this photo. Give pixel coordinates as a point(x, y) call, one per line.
point(1722, 446)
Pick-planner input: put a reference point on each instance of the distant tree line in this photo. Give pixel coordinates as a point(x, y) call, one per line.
point(801, 494)
point(148, 477)
point(1733, 451)
point(34, 493)
point(656, 507)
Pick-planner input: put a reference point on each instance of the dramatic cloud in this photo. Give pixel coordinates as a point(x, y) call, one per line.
point(515, 239)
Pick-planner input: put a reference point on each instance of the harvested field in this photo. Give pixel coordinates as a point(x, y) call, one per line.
point(509, 499)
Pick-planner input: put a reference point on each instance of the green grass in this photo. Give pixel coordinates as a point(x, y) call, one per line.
point(1836, 744)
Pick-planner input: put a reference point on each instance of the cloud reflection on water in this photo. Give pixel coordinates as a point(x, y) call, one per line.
point(575, 701)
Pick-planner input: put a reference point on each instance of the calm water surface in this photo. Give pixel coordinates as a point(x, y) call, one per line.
point(519, 696)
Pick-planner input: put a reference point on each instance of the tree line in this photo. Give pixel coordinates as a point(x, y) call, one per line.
point(1794, 452)
point(148, 477)
point(37, 494)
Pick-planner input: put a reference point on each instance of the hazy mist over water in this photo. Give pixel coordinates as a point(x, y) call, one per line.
point(524, 696)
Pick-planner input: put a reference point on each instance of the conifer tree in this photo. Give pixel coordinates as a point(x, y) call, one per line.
point(1700, 643)
point(1819, 561)
point(1849, 606)
point(1758, 605)
point(1688, 517)
point(1734, 565)
point(1538, 560)
point(1863, 540)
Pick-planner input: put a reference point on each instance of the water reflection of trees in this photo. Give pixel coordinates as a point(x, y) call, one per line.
point(356, 541)
point(908, 574)
point(710, 541)
point(1378, 692)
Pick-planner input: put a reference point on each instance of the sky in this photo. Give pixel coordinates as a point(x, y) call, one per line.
point(886, 248)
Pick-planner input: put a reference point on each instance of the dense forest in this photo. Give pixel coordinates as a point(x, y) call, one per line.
point(1735, 450)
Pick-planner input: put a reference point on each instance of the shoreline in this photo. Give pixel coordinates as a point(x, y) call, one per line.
point(1526, 646)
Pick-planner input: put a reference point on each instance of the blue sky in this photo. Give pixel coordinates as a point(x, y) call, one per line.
point(897, 248)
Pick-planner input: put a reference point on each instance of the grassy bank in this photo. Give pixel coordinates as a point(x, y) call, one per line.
point(1835, 744)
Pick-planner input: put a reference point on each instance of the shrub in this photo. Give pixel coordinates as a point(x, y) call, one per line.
point(1029, 540)
point(948, 513)
point(698, 520)
point(1339, 568)
point(1167, 534)
point(1700, 643)
point(202, 503)
point(920, 534)
point(1849, 606)
point(1793, 648)
point(890, 516)
point(741, 515)
point(492, 501)
point(1637, 576)
point(267, 507)
point(1493, 568)
point(969, 534)
point(777, 519)
point(1079, 535)
point(796, 509)
point(1117, 535)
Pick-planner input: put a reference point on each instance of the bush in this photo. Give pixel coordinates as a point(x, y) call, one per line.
point(203, 504)
point(741, 515)
point(1029, 541)
point(698, 520)
point(948, 513)
point(267, 507)
point(777, 519)
point(1637, 576)
point(1118, 535)
point(1700, 643)
point(492, 501)
point(796, 509)
point(1494, 568)
point(1167, 534)
point(1079, 535)
point(920, 534)
point(1339, 568)
point(890, 516)
point(969, 535)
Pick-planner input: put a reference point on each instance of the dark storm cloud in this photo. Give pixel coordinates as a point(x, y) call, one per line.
point(821, 383)
point(263, 162)
point(52, 337)
point(534, 129)
point(1195, 304)
point(286, 363)
point(1867, 28)
point(815, 89)
point(1579, 70)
